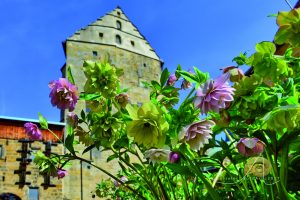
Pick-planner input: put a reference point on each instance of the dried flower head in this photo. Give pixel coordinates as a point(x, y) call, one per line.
point(63, 94)
point(258, 166)
point(72, 119)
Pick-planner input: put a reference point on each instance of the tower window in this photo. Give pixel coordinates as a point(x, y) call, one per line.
point(1, 152)
point(95, 53)
point(145, 65)
point(132, 43)
point(118, 39)
point(101, 35)
point(119, 14)
point(119, 25)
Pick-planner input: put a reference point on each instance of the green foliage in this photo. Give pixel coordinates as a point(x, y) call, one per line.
point(289, 25)
point(43, 121)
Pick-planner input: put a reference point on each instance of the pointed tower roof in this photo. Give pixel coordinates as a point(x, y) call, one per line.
point(115, 29)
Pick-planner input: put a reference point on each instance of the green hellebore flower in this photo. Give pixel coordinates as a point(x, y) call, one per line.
point(148, 125)
point(101, 78)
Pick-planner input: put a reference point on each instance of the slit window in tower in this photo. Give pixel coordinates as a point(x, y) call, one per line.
point(1, 151)
point(119, 25)
point(118, 39)
point(101, 35)
point(132, 43)
point(95, 53)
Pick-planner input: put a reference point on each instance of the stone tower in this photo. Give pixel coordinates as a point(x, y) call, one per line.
point(112, 35)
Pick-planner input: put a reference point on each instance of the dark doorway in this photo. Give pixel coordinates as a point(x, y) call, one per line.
point(9, 196)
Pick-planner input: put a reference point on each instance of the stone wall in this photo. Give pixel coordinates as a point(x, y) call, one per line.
point(9, 163)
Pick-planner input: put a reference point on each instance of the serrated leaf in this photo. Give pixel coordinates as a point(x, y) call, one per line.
point(188, 76)
point(69, 143)
point(111, 157)
point(43, 121)
point(156, 85)
point(265, 47)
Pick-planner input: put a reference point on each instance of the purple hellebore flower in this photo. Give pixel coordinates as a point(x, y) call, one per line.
point(214, 95)
point(250, 146)
point(61, 173)
point(33, 131)
point(72, 119)
point(174, 157)
point(63, 94)
point(172, 79)
point(197, 134)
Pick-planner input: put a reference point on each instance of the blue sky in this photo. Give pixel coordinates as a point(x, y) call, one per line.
point(205, 34)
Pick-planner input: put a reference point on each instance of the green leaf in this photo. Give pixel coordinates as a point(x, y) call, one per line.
point(84, 96)
point(164, 76)
point(43, 121)
point(202, 77)
point(178, 169)
point(89, 148)
point(156, 85)
point(112, 157)
point(70, 76)
point(265, 47)
point(69, 143)
point(188, 76)
point(82, 114)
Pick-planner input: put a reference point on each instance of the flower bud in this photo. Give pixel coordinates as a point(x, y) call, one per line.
point(61, 173)
point(72, 119)
point(186, 84)
point(250, 146)
point(172, 79)
point(33, 131)
point(174, 157)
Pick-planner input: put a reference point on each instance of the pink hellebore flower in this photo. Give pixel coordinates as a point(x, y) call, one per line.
point(72, 119)
point(250, 146)
point(214, 95)
point(157, 155)
point(33, 131)
point(172, 79)
point(197, 134)
point(63, 94)
point(61, 173)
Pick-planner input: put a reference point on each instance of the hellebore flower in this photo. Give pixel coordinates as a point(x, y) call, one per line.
point(61, 173)
point(157, 155)
point(250, 146)
point(148, 125)
point(172, 79)
point(101, 78)
point(197, 134)
point(63, 94)
point(258, 166)
point(72, 119)
point(123, 179)
point(122, 99)
point(214, 95)
point(33, 131)
point(174, 157)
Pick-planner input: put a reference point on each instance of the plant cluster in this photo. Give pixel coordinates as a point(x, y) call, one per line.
point(170, 151)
